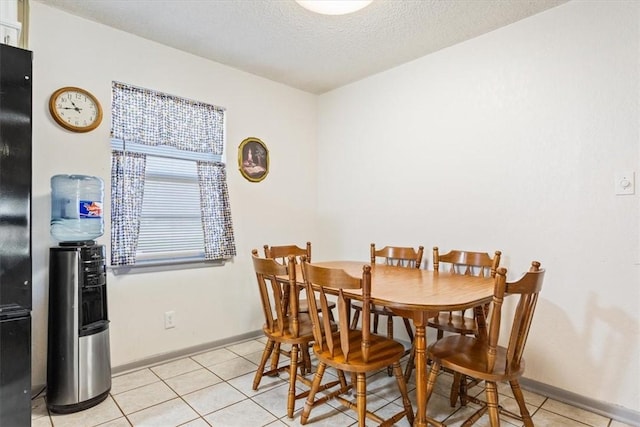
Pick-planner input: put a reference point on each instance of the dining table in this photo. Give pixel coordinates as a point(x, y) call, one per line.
point(419, 295)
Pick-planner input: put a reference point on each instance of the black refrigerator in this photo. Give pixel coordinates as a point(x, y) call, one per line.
point(15, 236)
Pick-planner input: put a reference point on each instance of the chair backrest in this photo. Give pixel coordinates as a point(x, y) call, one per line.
point(278, 293)
point(281, 253)
point(527, 289)
point(398, 256)
point(467, 262)
point(316, 280)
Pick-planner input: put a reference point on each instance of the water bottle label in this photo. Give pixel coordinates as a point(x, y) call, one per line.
point(90, 209)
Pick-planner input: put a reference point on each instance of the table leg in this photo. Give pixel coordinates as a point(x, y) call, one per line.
point(420, 343)
point(420, 320)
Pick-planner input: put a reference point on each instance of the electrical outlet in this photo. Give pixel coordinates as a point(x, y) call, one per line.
point(169, 319)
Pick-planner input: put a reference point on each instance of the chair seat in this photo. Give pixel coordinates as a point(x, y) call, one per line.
point(382, 352)
point(451, 322)
point(468, 355)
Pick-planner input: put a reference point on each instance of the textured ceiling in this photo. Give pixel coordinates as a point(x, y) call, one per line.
point(281, 41)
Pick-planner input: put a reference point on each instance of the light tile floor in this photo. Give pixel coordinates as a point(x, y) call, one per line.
point(214, 388)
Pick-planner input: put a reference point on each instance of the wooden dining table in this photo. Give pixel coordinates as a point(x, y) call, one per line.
point(419, 295)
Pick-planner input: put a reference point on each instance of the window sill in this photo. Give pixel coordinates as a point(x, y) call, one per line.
point(164, 265)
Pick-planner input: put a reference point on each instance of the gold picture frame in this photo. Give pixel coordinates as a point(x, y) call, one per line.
point(253, 159)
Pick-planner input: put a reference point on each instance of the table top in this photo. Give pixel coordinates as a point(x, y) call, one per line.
point(416, 289)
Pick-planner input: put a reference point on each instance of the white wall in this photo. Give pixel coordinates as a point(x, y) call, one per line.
point(210, 304)
point(509, 141)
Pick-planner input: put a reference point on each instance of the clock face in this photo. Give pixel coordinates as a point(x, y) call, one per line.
point(75, 109)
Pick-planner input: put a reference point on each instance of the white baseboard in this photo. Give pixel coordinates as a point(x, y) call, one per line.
point(608, 410)
point(165, 357)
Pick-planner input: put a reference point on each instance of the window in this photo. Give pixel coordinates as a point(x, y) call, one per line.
point(169, 197)
point(166, 228)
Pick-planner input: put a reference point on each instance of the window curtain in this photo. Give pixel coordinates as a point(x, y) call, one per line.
point(151, 118)
point(127, 188)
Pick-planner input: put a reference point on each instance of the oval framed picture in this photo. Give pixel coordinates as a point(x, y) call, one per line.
point(253, 159)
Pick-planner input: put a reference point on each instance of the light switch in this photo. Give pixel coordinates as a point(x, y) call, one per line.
point(625, 182)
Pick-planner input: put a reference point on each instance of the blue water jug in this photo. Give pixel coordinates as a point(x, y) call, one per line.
point(76, 208)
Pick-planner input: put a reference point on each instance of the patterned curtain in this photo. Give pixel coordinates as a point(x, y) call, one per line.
point(153, 118)
point(127, 188)
point(216, 212)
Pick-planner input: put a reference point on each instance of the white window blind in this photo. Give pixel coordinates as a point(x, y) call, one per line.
point(170, 222)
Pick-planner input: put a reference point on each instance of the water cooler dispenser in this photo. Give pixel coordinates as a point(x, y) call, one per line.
point(78, 359)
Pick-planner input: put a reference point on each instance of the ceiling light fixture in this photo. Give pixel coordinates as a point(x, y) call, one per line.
point(334, 7)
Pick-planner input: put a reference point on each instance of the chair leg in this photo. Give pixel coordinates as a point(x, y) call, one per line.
point(342, 379)
point(263, 362)
point(402, 385)
point(492, 403)
point(410, 364)
point(431, 379)
point(293, 368)
point(354, 381)
point(407, 326)
point(312, 393)
point(517, 394)
point(390, 336)
point(361, 398)
point(354, 321)
point(305, 366)
point(390, 327)
point(375, 323)
point(275, 357)
point(457, 390)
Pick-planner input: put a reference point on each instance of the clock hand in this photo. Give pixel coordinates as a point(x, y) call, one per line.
point(75, 107)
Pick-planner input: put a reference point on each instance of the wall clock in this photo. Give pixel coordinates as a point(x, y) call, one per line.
point(75, 109)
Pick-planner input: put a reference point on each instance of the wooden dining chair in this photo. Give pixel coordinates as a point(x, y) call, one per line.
point(462, 262)
point(357, 351)
point(281, 254)
point(458, 262)
point(482, 358)
point(405, 257)
point(284, 324)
